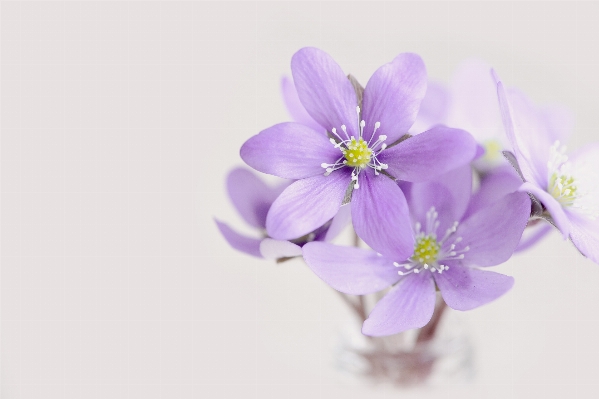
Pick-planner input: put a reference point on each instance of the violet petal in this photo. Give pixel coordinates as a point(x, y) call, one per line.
point(324, 90)
point(553, 206)
point(429, 154)
point(584, 234)
point(289, 150)
point(529, 239)
point(433, 108)
point(465, 288)
point(449, 194)
point(493, 232)
point(494, 186)
point(251, 196)
point(294, 106)
point(350, 270)
point(393, 95)
point(248, 245)
point(473, 105)
point(512, 118)
point(410, 304)
point(306, 205)
point(381, 217)
point(339, 222)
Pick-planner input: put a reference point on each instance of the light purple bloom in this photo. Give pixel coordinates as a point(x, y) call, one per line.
point(253, 198)
point(356, 151)
point(567, 187)
point(469, 102)
point(449, 241)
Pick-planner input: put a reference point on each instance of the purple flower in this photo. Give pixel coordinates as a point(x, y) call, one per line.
point(567, 188)
point(449, 241)
point(469, 102)
point(253, 198)
point(356, 151)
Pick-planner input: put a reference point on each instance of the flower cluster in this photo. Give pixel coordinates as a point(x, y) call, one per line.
point(435, 205)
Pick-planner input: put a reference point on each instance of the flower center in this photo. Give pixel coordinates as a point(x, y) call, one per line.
point(426, 249)
point(357, 153)
point(430, 253)
point(573, 186)
point(562, 188)
point(492, 150)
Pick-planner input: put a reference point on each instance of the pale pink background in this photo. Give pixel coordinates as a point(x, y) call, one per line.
point(119, 123)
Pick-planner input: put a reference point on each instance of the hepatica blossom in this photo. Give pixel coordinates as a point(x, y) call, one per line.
point(356, 156)
point(252, 198)
point(450, 242)
point(566, 187)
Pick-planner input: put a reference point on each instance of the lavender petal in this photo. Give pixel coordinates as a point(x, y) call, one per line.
point(465, 288)
point(248, 245)
point(554, 208)
point(350, 270)
point(294, 106)
point(251, 196)
point(381, 217)
point(289, 150)
point(410, 304)
point(324, 90)
point(492, 234)
point(393, 95)
point(429, 154)
point(306, 205)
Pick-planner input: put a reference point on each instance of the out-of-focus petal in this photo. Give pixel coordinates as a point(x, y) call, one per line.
point(493, 232)
point(324, 90)
point(381, 217)
point(289, 150)
point(433, 109)
point(529, 239)
point(350, 270)
point(393, 95)
point(527, 133)
point(429, 154)
point(294, 106)
point(532, 134)
point(584, 234)
point(248, 245)
point(494, 186)
point(553, 206)
point(275, 249)
point(522, 155)
point(473, 106)
point(306, 205)
point(410, 304)
point(465, 288)
point(449, 193)
point(587, 158)
point(251, 196)
point(339, 222)
point(559, 122)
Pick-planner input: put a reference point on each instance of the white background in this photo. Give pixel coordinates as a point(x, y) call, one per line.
point(119, 124)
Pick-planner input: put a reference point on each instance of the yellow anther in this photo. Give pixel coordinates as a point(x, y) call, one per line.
point(426, 248)
point(563, 188)
point(357, 153)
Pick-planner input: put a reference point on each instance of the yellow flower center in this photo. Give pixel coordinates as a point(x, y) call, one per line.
point(357, 152)
point(563, 188)
point(426, 249)
point(492, 150)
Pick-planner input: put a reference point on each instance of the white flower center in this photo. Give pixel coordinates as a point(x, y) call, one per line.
point(572, 185)
point(430, 253)
point(357, 153)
